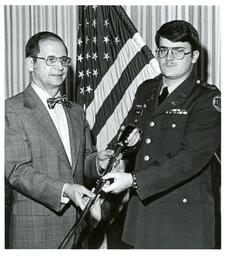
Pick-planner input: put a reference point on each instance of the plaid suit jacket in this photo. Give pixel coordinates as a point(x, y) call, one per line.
point(36, 165)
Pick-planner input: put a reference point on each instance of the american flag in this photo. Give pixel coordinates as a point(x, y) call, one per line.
point(112, 61)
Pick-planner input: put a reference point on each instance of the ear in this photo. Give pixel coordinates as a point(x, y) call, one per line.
point(195, 56)
point(30, 64)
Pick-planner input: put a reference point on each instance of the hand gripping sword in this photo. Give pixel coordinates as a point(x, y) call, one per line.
point(120, 147)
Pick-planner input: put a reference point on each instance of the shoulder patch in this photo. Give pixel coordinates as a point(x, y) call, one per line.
point(217, 103)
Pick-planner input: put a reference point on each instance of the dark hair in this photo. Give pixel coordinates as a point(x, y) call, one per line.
point(33, 47)
point(179, 31)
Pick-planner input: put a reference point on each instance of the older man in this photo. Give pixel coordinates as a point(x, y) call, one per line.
point(48, 151)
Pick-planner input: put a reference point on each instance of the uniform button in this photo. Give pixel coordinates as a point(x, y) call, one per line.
point(148, 141)
point(144, 105)
point(198, 81)
point(184, 200)
point(146, 158)
point(152, 124)
point(136, 120)
point(174, 125)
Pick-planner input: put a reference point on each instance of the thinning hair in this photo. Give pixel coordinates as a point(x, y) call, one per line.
point(33, 45)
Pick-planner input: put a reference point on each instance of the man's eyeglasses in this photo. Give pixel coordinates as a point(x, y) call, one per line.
point(177, 52)
point(51, 60)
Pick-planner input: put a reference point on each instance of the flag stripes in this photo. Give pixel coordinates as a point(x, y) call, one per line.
point(112, 62)
point(108, 82)
point(119, 89)
point(113, 123)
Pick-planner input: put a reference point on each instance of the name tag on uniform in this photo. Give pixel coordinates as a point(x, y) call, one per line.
point(177, 111)
point(138, 110)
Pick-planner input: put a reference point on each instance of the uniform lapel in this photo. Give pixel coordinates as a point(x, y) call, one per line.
point(39, 115)
point(177, 97)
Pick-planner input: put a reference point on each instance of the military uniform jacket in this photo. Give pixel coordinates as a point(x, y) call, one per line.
point(37, 167)
point(173, 206)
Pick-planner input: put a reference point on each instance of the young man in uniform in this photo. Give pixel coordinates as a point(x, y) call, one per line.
point(171, 201)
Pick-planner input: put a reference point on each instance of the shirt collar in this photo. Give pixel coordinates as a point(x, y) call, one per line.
point(170, 88)
point(42, 94)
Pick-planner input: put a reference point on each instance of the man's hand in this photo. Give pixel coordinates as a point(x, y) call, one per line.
point(133, 137)
point(121, 182)
point(76, 193)
point(103, 157)
point(95, 209)
point(119, 166)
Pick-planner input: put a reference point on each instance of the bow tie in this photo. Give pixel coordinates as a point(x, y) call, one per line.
point(60, 99)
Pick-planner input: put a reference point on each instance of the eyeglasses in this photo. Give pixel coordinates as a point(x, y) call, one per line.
point(177, 52)
point(51, 60)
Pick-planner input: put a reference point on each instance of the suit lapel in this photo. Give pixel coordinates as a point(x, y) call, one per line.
point(42, 119)
point(177, 97)
point(74, 134)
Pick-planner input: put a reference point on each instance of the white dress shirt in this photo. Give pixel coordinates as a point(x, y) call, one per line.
point(59, 119)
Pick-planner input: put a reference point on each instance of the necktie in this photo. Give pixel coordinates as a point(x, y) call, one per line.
point(164, 94)
point(60, 99)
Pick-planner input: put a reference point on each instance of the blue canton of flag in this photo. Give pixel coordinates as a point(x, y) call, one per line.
point(112, 61)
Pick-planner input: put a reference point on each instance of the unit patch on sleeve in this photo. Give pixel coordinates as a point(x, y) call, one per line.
point(217, 103)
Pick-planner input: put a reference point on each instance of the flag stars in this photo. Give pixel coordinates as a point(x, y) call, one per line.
point(117, 40)
point(87, 39)
point(94, 56)
point(82, 90)
point(94, 39)
point(106, 56)
point(94, 23)
point(94, 7)
point(79, 41)
point(89, 89)
point(88, 56)
point(88, 72)
point(80, 58)
point(106, 39)
point(95, 72)
point(86, 22)
point(81, 74)
point(106, 23)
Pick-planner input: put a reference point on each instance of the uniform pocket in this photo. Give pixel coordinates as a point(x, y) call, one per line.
point(174, 122)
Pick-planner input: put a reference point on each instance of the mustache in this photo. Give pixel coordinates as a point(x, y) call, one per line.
point(170, 63)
